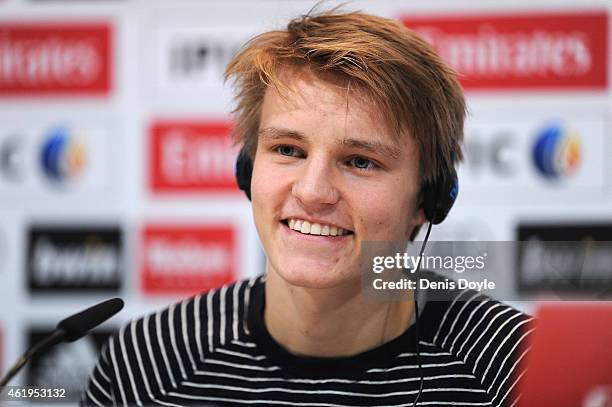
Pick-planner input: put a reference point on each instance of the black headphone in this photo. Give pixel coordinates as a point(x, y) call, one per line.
point(439, 195)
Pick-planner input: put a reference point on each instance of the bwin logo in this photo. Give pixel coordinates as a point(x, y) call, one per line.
point(74, 257)
point(62, 155)
point(556, 152)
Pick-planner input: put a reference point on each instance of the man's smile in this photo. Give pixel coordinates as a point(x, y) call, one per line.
point(322, 232)
point(315, 228)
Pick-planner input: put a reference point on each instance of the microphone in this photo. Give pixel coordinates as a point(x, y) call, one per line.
point(68, 330)
point(79, 324)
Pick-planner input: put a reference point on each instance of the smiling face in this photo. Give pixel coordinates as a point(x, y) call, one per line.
point(327, 177)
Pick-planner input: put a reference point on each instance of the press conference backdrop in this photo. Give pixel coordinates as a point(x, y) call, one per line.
point(116, 170)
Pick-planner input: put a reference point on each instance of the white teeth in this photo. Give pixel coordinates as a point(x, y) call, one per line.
point(315, 229)
point(306, 227)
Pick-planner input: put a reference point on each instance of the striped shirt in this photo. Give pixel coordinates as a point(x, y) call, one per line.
point(214, 350)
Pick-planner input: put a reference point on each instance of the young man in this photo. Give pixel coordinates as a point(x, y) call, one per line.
point(348, 119)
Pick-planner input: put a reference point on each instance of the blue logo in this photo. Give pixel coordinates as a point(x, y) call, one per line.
point(455, 189)
point(556, 152)
point(62, 155)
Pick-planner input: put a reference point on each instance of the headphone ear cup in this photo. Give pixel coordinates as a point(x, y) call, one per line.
point(244, 171)
point(439, 197)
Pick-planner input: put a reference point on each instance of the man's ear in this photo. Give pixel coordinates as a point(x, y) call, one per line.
point(419, 216)
point(419, 220)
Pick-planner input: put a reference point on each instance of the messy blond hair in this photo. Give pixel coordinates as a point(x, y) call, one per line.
point(414, 91)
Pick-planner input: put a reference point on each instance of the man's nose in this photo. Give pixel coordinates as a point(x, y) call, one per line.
point(315, 186)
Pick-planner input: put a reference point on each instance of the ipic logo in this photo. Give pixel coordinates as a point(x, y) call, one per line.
point(557, 152)
point(201, 56)
point(63, 155)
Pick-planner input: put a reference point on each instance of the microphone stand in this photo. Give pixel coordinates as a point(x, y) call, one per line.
point(69, 330)
point(56, 337)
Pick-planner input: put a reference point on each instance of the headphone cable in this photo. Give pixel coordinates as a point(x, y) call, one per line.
point(416, 320)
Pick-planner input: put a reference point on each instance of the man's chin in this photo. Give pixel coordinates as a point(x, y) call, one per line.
point(316, 277)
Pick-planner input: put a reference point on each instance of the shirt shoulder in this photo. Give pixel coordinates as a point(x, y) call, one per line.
point(153, 354)
point(489, 336)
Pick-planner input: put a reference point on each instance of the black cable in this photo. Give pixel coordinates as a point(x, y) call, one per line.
point(416, 323)
point(416, 320)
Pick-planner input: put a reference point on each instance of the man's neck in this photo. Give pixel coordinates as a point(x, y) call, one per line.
point(333, 322)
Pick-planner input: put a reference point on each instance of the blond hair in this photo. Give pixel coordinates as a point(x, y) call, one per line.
point(414, 91)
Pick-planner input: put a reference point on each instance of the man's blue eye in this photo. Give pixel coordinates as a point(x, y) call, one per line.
point(362, 163)
point(286, 150)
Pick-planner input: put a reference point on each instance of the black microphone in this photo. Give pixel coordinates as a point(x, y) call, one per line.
point(77, 325)
point(68, 330)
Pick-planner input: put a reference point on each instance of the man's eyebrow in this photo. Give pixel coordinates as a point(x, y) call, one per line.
point(273, 133)
point(372, 146)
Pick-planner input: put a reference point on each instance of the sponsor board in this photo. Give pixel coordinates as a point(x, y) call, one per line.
point(55, 58)
point(11, 158)
point(557, 152)
point(186, 59)
point(187, 259)
point(566, 258)
point(76, 258)
point(551, 50)
point(545, 158)
point(62, 155)
point(57, 158)
point(463, 226)
point(66, 365)
point(191, 157)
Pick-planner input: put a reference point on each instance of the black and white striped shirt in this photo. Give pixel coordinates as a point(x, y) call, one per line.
point(214, 350)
